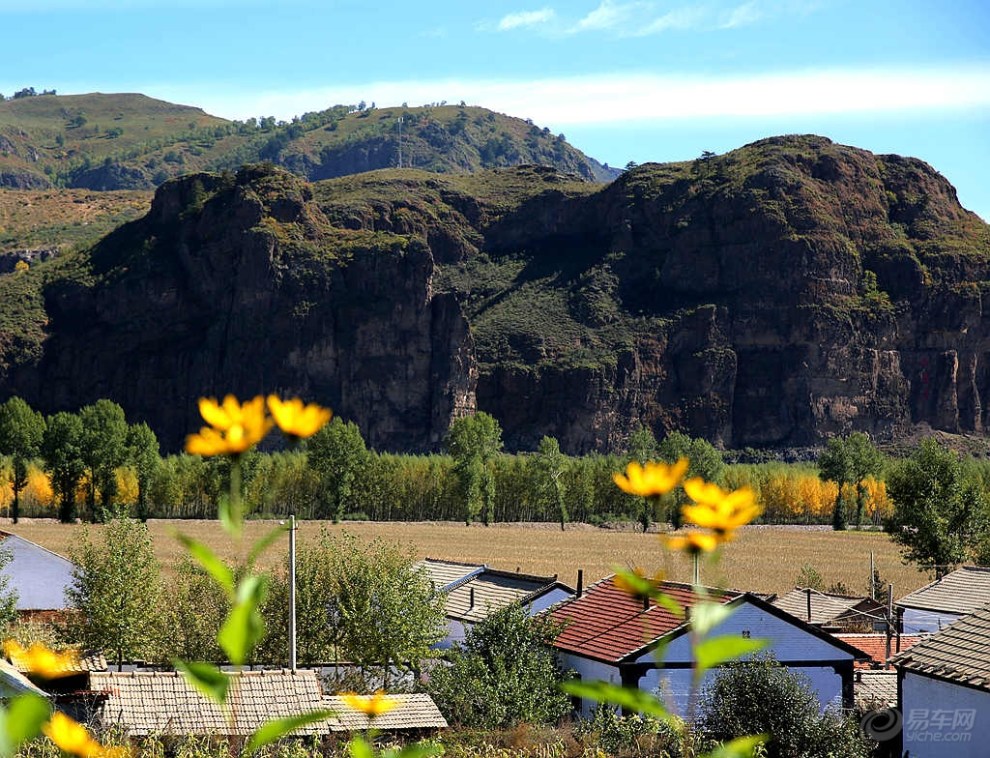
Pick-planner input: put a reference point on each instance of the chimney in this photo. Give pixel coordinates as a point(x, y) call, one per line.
point(580, 582)
point(807, 592)
point(646, 602)
point(471, 596)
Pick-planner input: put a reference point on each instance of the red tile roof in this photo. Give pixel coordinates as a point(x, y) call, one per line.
point(607, 624)
point(875, 646)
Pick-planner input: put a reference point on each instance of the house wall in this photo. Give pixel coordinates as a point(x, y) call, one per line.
point(589, 671)
point(543, 602)
point(39, 576)
point(790, 644)
point(673, 686)
point(944, 720)
point(917, 621)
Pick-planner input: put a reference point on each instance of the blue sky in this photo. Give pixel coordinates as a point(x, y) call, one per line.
point(641, 80)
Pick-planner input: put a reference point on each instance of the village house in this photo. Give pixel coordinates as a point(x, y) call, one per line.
point(474, 591)
point(38, 576)
point(936, 605)
point(610, 635)
point(155, 703)
point(944, 691)
point(833, 612)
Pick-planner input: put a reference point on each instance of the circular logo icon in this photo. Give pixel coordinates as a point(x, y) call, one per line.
point(882, 725)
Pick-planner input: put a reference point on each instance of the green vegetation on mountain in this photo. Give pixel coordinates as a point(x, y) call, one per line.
point(787, 291)
point(132, 142)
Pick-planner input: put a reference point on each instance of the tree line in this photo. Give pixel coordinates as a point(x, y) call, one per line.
point(93, 464)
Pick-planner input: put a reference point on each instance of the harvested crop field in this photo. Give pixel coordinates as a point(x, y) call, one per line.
point(761, 559)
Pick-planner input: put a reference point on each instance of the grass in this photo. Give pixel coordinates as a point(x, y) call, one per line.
point(762, 559)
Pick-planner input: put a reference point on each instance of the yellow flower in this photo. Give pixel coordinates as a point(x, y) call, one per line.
point(298, 420)
point(370, 705)
point(716, 509)
point(234, 428)
point(72, 737)
point(692, 542)
point(41, 660)
point(651, 479)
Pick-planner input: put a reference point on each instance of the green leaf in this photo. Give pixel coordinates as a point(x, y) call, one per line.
point(265, 542)
point(230, 524)
point(705, 616)
point(635, 700)
point(278, 728)
point(418, 750)
point(22, 721)
point(359, 748)
point(741, 747)
point(670, 604)
point(715, 650)
point(206, 558)
point(244, 627)
point(205, 677)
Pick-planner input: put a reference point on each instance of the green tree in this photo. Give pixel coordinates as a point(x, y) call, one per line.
point(939, 515)
point(116, 589)
point(8, 595)
point(338, 454)
point(362, 602)
point(61, 450)
point(473, 441)
point(849, 460)
point(191, 619)
point(704, 459)
point(642, 445)
point(502, 674)
point(21, 432)
point(103, 450)
point(762, 697)
point(143, 454)
point(551, 465)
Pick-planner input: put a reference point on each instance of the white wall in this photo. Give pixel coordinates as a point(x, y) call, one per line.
point(589, 671)
point(788, 643)
point(917, 621)
point(543, 602)
point(944, 720)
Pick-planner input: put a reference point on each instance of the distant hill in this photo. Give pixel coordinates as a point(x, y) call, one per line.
point(133, 142)
point(772, 296)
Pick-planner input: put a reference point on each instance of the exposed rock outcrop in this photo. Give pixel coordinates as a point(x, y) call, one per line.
point(776, 295)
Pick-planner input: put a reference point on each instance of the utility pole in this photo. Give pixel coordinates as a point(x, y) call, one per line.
point(292, 592)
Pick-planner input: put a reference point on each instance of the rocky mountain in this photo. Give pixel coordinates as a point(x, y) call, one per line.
point(133, 142)
point(772, 296)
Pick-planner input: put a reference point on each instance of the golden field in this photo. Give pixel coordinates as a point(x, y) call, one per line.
point(761, 559)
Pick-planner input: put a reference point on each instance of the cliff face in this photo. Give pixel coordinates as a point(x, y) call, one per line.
point(773, 296)
point(233, 285)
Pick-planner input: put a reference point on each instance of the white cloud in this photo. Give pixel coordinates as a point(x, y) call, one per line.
point(742, 15)
point(525, 18)
point(610, 15)
point(678, 19)
point(636, 98)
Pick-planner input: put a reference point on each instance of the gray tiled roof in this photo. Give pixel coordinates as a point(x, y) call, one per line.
point(961, 591)
point(13, 682)
point(958, 653)
point(416, 711)
point(445, 575)
point(492, 591)
point(871, 688)
point(147, 703)
point(825, 607)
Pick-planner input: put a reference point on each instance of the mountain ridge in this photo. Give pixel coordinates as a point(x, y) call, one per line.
point(772, 296)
